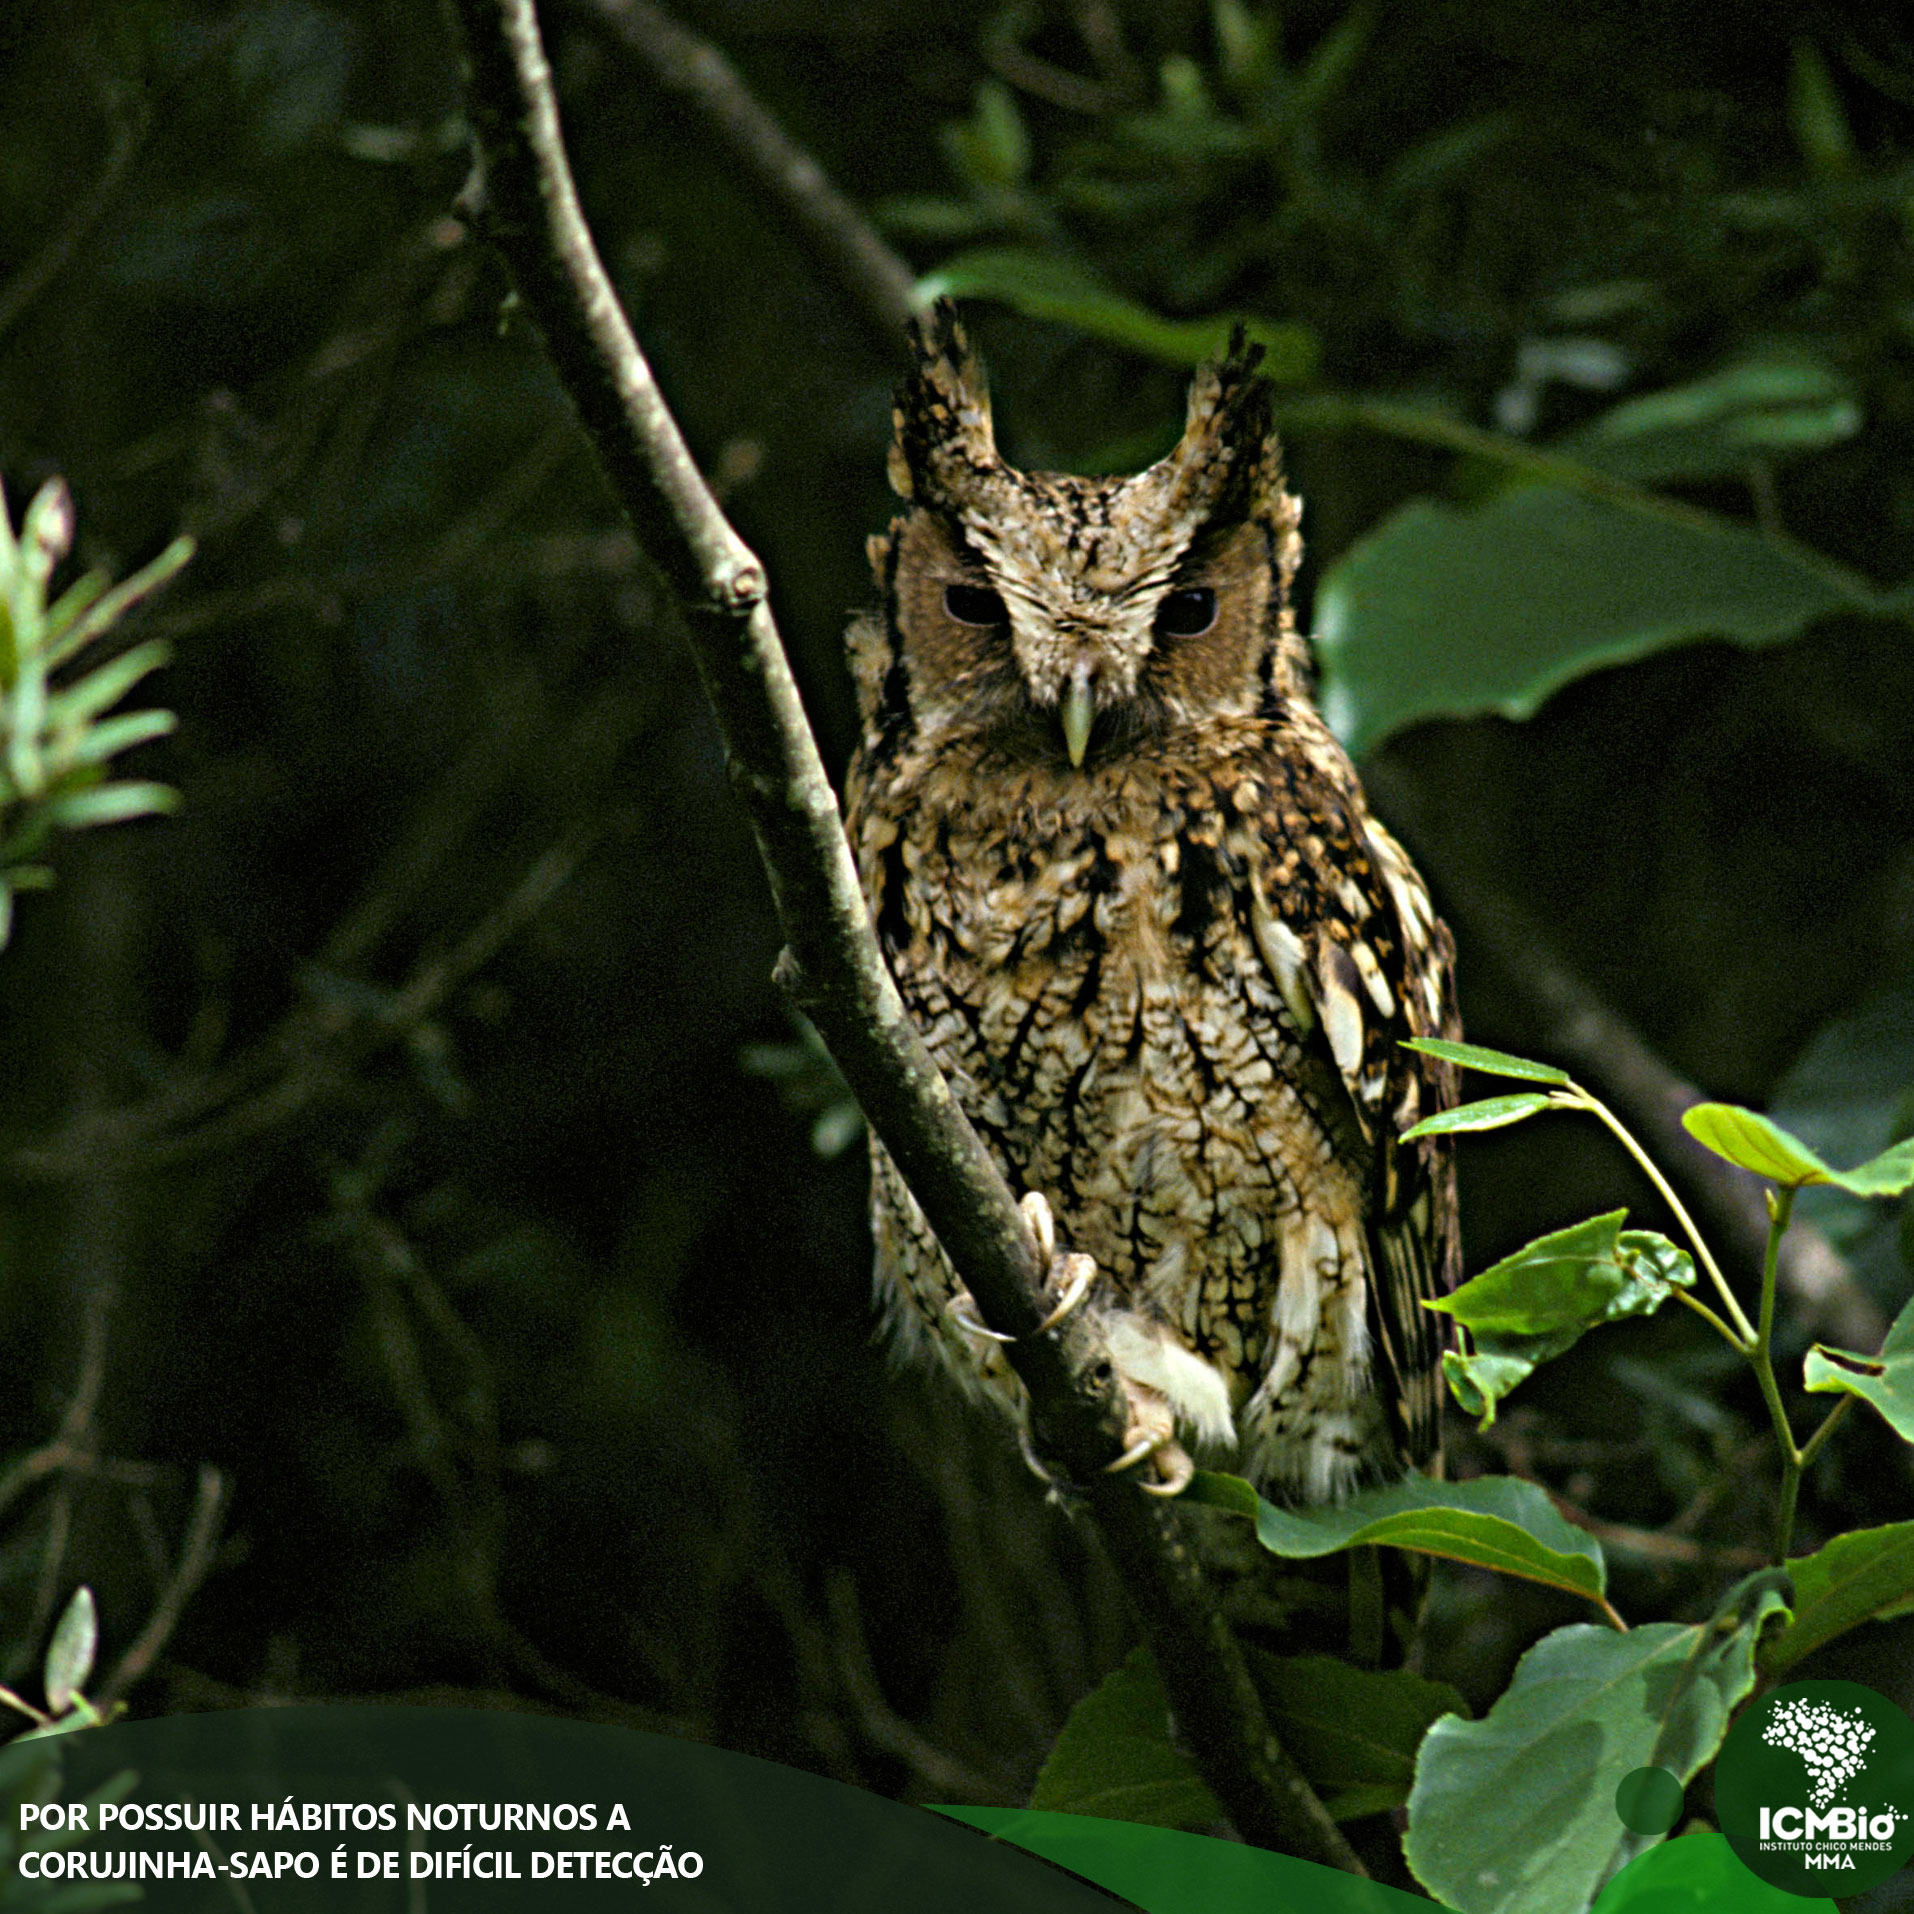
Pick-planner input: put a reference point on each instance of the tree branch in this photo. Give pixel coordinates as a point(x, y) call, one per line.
point(877, 283)
point(831, 964)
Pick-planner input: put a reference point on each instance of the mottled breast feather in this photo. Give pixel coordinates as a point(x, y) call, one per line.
point(1132, 894)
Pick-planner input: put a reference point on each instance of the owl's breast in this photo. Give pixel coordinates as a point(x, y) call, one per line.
point(1124, 1052)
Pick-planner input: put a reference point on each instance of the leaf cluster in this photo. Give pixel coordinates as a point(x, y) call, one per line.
point(57, 741)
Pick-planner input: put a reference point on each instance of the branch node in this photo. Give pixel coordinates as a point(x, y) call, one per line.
point(740, 588)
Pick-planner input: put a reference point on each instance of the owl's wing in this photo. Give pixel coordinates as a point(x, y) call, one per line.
point(1363, 963)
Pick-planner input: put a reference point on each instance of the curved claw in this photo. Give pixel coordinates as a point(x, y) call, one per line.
point(1140, 1450)
point(1043, 1225)
point(963, 1312)
point(1083, 1272)
point(1031, 1460)
point(1175, 1470)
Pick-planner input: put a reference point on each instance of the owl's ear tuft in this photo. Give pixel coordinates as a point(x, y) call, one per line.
point(944, 440)
point(1241, 358)
point(1228, 466)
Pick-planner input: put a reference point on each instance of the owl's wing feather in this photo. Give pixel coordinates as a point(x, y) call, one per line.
point(1357, 951)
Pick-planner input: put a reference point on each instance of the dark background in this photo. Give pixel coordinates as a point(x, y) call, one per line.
point(409, 1127)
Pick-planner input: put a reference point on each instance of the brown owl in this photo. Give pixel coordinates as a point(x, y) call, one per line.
point(1131, 892)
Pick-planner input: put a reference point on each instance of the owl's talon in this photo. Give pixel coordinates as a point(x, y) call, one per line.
point(1032, 1461)
point(1175, 1471)
point(1035, 1207)
point(963, 1312)
point(1149, 1435)
point(1081, 1272)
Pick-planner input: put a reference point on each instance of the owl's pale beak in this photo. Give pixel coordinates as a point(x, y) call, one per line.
point(1079, 711)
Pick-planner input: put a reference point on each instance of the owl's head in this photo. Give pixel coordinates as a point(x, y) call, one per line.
point(1074, 618)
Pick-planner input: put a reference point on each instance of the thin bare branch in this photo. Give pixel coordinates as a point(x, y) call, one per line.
point(194, 1563)
point(30, 284)
point(876, 281)
point(529, 208)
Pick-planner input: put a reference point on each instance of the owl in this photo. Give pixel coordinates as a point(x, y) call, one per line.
point(1132, 895)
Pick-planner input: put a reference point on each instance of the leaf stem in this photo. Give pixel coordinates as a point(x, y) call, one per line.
point(1793, 1470)
point(1812, 1447)
point(1701, 1309)
point(1793, 1459)
point(1743, 1336)
point(27, 1708)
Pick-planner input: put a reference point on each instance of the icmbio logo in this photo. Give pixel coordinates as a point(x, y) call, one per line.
point(1815, 1788)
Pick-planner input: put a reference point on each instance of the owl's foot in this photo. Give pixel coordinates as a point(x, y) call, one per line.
point(1071, 1274)
point(1149, 1435)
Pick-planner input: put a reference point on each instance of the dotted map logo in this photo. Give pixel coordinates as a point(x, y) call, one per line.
point(1815, 1788)
point(1832, 1745)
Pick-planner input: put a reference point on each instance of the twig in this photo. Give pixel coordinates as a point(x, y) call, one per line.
point(195, 1560)
point(831, 964)
point(885, 1729)
point(32, 281)
point(842, 241)
point(304, 1057)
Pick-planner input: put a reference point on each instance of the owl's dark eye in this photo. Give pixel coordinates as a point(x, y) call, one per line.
point(1186, 614)
point(975, 605)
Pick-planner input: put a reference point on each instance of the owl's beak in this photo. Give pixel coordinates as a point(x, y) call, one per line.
point(1078, 711)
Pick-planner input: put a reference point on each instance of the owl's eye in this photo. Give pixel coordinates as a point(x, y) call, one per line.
point(975, 605)
point(1186, 614)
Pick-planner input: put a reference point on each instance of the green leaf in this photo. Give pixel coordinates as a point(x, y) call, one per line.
point(1515, 1813)
point(1815, 114)
point(1541, 1300)
point(1560, 1280)
point(1574, 1278)
point(1245, 46)
point(1115, 1757)
point(1758, 1143)
point(110, 607)
point(1353, 1731)
point(1479, 1380)
point(991, 148)
point(926, 216)
point(70, 604)
point(1847, 1096)
point(1864, 1576)
point(1767, 406)
point(111, 804)
point(1493, 1522)
point(1886, 1380)
point(23, 718)
point(1333, 58)
point(97, 744)
point(1166, 1872)
point(102, 689)
point(70, 1653)
point(1492, 1113)
point(1492, 1063)
point(1889, 1174)
point(1043, 286)
point(1442, 612)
